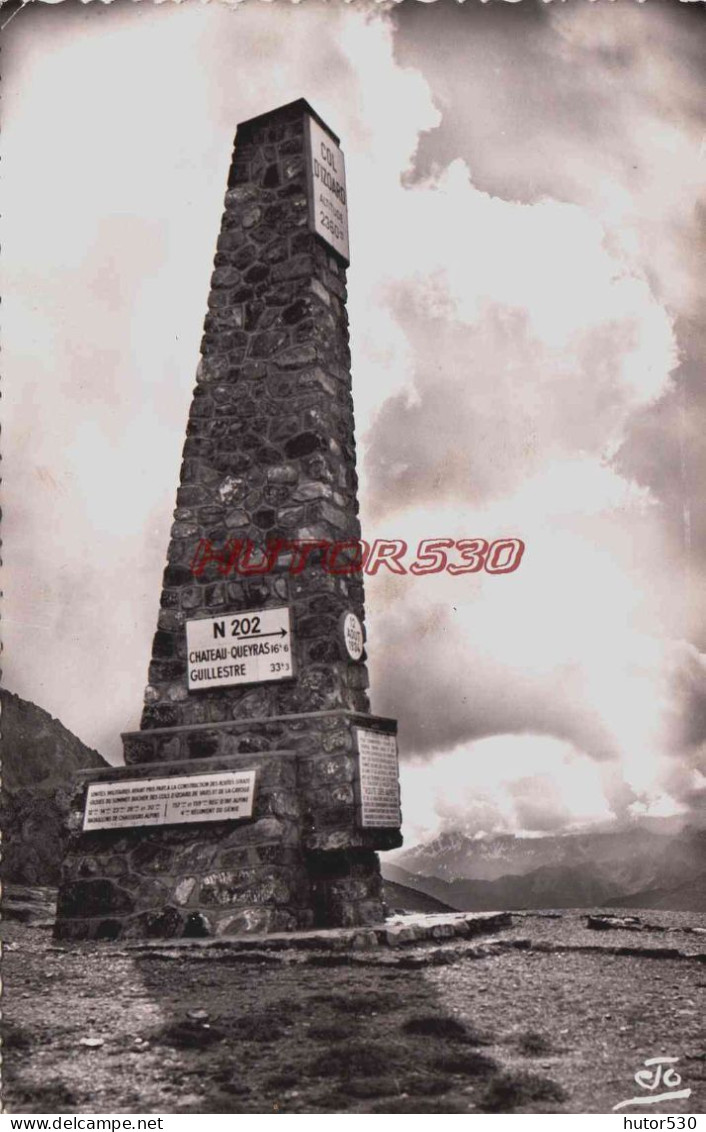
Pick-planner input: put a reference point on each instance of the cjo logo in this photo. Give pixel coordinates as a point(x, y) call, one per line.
point(659, 1073)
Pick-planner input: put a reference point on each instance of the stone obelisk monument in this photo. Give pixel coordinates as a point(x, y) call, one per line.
point(259, 787)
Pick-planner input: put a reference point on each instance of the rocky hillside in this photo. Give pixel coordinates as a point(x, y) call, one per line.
point(690, 897)
point(39, 756)
point(400, 898)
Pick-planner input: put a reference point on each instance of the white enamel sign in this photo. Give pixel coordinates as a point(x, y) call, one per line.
point(223, 796)
point(327, 189)
point(239, 648)
point(353, 636)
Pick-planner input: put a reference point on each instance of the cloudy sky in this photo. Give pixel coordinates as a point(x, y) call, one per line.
point(526, 197)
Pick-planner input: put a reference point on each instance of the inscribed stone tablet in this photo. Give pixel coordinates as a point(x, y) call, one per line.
point(379, 779)
point(223, 796)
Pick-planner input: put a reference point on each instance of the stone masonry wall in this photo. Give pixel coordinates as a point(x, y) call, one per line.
point(228, 877)
point(287, 867)
point(270, 450)
point(327, 767)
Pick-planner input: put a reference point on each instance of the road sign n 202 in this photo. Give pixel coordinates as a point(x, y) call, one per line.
point(243, 648)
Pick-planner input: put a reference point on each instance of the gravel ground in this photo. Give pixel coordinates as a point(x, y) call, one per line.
point(548, 1019)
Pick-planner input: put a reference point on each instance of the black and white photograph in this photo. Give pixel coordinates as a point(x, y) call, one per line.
point(353, 707)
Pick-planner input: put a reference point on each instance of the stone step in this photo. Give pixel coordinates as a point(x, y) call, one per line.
point(398, 931)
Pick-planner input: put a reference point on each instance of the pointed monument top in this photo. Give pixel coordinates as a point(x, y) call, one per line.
point(301, 105)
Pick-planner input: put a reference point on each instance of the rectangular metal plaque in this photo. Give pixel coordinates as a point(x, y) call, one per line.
point(243, 648)
point(222, 796)
point(379, 779)
point(327, 189)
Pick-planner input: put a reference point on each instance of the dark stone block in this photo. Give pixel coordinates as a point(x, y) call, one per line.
point(283, 921)
point(177, 576)
point(88, 868)
point(224, 341)
point(268, 343)
point(191, 495)
point(138, 749)
point(178, 551)
point(257, 592)
point(197, 926)
point(325, 651)
point(162, 925)
point(230, 240)
point(238, 858)
point(201, 403)
point(304, 331)
point(224, 277)
point(109, 929)
point(75, 930)
point(195, 856)
point(277, 495)
point(148, 857)
point(197, 447)
point(245, 256)
point(242, 294)
point(278, 855)
point(276, 252)
point(263, 452)
point(357, 677)
point(239, 174)
point(113, 866)
point(236, 463)
point(160, 715)
point(282, 803)
point(304, 445)
point(295, 312)
point(265, 518)
point(292, 146)
point(274, 215)
point(86, 898)
point(253, 313)
point(283, 428)
point(340, 794)
point(317, 626)
point(294, 268)
point(258, 273)
point(164, 645)
point(325, 603)
point(253, 744)
point(338, 739)
point(203, 745)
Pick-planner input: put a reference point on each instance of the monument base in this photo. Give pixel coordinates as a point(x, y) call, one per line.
point(303, 857)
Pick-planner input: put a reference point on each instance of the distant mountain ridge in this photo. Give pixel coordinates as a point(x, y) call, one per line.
point(39, 758)
point(634, 867)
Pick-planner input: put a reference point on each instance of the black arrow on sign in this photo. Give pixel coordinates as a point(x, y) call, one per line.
point(257, 636)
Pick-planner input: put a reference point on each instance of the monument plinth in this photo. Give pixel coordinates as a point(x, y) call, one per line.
point(259, 786)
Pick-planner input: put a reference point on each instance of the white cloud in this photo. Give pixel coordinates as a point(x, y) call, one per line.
point(508, 783)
